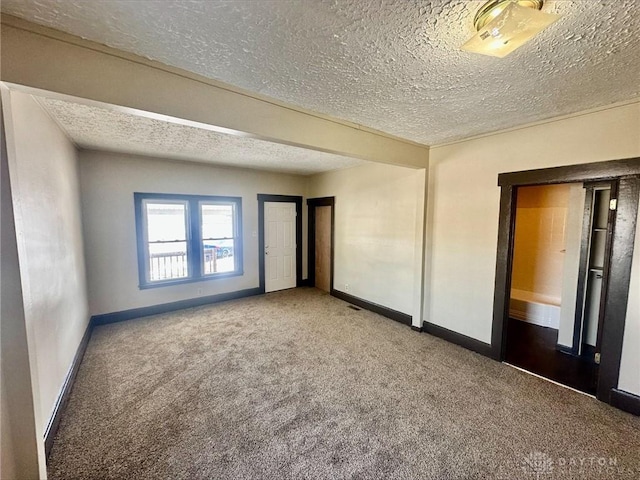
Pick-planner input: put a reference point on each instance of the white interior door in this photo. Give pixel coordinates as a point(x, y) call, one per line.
point(279, 245)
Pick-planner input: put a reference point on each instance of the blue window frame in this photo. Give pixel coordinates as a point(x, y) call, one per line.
point(187, 238)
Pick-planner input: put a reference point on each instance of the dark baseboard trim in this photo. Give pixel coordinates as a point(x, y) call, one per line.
point(374, 307)
point(303, 283)
point(625, 401)
point(459, 339)
point(63, 397)
point(416, 329)
point(171, 307)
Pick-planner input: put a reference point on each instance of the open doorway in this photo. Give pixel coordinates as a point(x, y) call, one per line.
point(559, 276)
point(604, 265)
point(321, 225)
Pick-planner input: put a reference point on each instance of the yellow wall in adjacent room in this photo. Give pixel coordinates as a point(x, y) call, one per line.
point(538, 258)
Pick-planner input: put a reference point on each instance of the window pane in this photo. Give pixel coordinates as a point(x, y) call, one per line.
point(217, 221)
point(168, 260)
point(218, 256)
point(166, 221)
point(166, 240)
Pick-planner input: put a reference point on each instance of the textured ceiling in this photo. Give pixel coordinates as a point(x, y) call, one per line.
point(110, 129)
point(392, 65)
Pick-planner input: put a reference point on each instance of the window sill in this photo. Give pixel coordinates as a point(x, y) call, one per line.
point(181, 281)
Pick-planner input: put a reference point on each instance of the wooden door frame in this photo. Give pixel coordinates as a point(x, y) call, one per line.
point(262, 198)
point(627, 173)
point(312, 203)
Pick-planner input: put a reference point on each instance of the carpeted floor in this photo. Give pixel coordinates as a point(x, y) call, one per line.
point(294, 384)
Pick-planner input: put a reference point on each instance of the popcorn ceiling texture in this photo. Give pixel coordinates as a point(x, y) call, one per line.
point(392, 65)
point(107, 129)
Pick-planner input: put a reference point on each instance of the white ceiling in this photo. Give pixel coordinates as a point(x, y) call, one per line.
point(113, 129)
point(392, 65)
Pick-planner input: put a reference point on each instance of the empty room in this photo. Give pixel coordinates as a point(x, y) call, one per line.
point(320, 239)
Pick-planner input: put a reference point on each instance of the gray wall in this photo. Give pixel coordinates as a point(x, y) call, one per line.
point(108, 181)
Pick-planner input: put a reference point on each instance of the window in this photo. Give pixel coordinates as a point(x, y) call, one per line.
point(166, 239)
point(218, 238)
point(187, 238)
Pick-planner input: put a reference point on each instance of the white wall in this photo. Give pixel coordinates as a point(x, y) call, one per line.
point(44, 182)
point(108, 181)
point(19, 450)
point(571, 268)
point(463, 212)
point(378, 209)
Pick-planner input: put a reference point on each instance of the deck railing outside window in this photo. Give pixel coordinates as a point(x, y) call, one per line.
point(168, 265)
point(187, 238)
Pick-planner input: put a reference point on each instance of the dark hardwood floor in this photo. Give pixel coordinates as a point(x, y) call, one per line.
point(533, 348)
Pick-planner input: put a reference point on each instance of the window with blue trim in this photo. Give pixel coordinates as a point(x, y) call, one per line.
point(187, 238)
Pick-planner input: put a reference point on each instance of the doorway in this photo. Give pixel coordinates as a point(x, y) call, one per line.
point(558, 281)
point(279, 242)
point(321, 237)
point(623, 204)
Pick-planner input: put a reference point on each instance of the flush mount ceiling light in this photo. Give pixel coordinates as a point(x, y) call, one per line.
point(504, 25)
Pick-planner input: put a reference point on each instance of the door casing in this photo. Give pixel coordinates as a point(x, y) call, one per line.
point(627, 173)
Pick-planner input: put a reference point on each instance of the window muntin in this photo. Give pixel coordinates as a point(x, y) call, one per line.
point(187, 238)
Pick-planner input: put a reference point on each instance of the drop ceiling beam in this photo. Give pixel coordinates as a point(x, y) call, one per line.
point(46, 59)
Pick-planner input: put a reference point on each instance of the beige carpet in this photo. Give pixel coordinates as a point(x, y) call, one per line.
point(295, 384)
